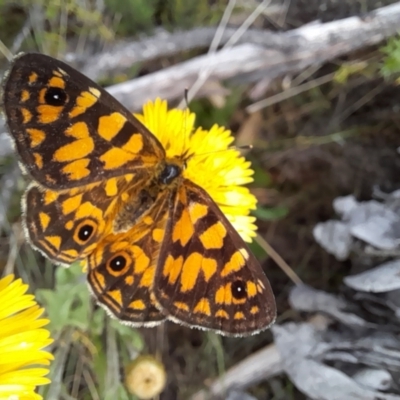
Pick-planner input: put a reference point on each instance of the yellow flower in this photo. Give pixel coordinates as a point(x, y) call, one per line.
point(223, 170)
point(22, 339)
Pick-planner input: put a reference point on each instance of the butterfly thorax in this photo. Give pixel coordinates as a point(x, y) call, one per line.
point(166, 178)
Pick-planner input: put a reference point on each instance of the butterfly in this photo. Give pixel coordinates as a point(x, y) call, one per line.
point(155, 245)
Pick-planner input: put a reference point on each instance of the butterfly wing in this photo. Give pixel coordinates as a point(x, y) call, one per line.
point(83, 149)
point(121, 269)
point(69, 131)
point(206, 276)
point(67, 225)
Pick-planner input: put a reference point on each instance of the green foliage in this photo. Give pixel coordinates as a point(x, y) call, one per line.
point(69, 305)
point(10, 22)
point(186, 14)
point(261, 178)
point(347, 70)
point(257, 250)
point(138, 16)
point(82, 330)
point(391, 59)
point(135, 16)
point(270, 213)
point(52, 21)
point(55, 21)
point(344, 72)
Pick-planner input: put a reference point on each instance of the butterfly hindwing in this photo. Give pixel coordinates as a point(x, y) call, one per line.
point(67, 225)
point(121, 269)
point(68, 130)
point(206, 276)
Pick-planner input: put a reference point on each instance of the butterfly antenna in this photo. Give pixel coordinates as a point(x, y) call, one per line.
point(186, 97)
point(186, 111)
point(242, 147)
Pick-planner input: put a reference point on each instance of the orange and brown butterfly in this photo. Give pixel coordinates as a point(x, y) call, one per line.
point(134, 199)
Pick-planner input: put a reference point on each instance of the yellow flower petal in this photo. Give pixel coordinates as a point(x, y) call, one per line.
point(26, 318)
point(25, 392)
point(22, 340)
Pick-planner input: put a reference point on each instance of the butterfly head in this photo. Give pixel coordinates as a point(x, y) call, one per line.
point(171, 169)
point(169, 173)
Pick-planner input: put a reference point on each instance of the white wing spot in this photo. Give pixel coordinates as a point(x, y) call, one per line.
point(244, 253)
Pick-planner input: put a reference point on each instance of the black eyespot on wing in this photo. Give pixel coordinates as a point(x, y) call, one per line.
point(55, 96)
point(117, 263)
point(239, 290)
point(85, 231)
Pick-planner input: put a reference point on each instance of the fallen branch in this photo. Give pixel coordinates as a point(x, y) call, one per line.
point(261, 365)
point(340, 36)
point(266, 55)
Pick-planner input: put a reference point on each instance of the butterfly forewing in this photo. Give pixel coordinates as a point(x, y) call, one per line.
point(69, 131)
point(206, 276)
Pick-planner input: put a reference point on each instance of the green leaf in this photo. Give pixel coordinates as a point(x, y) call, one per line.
point(69, 303)
point(129, 334)
point(391, 60)
point(257, 250)
point(97, 322)
point(270, 214)
point(261, 177)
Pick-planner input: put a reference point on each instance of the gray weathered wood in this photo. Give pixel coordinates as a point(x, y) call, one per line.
point(261, 365)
